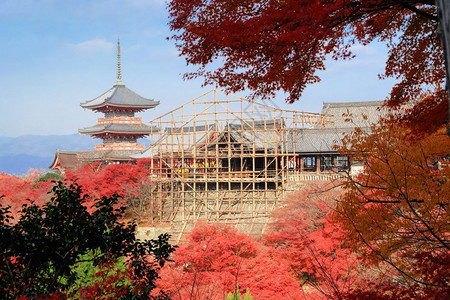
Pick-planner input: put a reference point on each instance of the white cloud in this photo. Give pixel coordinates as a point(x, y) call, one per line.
point(95, 45)
point(371, 56)
point(359, 49)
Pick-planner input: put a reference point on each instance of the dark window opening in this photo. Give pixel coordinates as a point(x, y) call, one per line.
point(326, 163)
point(342, 163)
point(309, 163)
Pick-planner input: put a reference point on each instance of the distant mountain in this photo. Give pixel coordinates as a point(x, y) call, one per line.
point(44, 145)
point(19, 154)
point(20, 164)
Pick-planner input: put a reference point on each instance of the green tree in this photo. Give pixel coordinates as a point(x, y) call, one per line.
point(49, 176)
point(238, 296)
point(90, 276)
point(41, 248)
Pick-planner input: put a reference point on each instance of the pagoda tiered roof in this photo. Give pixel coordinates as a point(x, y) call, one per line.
point(111, 155)
point(121, 97)
point(112, 128)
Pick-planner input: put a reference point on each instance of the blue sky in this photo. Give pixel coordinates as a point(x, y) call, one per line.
point(55, 54)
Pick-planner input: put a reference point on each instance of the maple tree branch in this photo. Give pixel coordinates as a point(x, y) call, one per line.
point(11, 277)
point(359, 12)
point(430, 230)
point(326, 273)
point(316, 285)
point(412, 209)
point(418, 11)
point(390, 201)
point(388, 261)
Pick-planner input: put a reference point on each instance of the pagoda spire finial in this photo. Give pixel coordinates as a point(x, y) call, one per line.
point(119, 70)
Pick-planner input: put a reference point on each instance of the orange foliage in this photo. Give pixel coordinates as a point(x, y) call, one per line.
point(397, 210)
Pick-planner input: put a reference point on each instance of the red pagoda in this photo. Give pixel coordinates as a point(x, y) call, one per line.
point(119, 129)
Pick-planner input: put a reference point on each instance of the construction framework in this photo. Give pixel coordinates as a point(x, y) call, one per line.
point(222, 158)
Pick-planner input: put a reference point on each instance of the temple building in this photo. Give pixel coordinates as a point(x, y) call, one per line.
point(119, 129)
point(221, 158)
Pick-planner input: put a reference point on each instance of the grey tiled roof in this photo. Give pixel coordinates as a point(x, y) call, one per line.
point(362, 114)
point(312, 141)
point(179, 138)
point(309, 140)
point(65, 159)
point(267, 134)
point(144, 154)
point(128, 128)
point(322, 140)
point(257, 124)
point(107, 155)
point(120, 95)
point(74, 159)
point(190, 129)
point(301, 141)
point(258, 137)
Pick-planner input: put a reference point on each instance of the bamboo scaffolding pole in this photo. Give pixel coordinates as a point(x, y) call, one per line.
point(223, 158)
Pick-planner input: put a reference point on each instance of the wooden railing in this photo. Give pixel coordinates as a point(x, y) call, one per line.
point(120, 120)
point(119, 146)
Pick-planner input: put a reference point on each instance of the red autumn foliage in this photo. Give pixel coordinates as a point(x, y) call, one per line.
point(435, 271)
point(16, 190)
point(126, 180)
point(267, 46)
point(313, 245)
point(216, 258)
point(53, 296)
point(122, 179)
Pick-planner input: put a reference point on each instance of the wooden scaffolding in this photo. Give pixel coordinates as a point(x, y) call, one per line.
point(222, 158)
